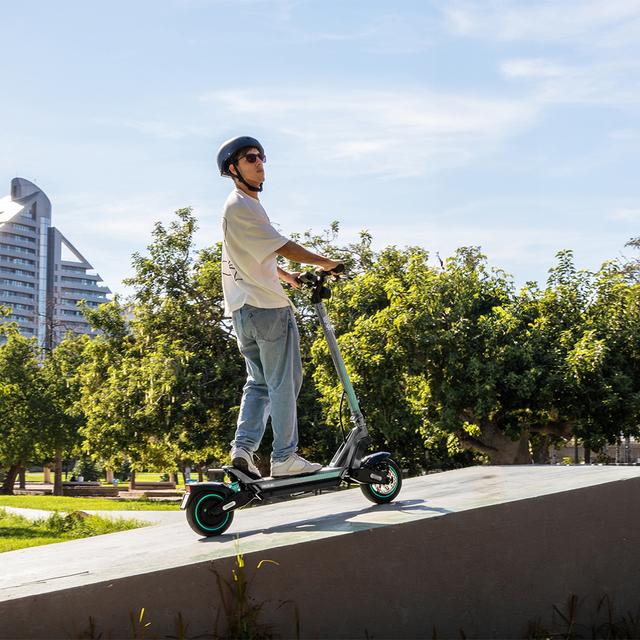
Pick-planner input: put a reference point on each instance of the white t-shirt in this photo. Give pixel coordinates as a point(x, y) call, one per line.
point(249, 267)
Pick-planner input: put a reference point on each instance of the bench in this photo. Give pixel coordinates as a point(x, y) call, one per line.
point(151, 486)
point(88, 489)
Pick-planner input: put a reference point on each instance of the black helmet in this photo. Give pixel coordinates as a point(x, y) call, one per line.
point(229, 149)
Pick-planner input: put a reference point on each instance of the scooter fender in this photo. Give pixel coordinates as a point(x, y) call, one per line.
point(196, 489)
point(367, 473)
point(374, 458)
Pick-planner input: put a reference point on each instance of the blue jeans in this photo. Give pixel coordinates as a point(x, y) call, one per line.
point(270, 343)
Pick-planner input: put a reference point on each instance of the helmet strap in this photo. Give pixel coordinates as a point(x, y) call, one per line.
point(240, 177)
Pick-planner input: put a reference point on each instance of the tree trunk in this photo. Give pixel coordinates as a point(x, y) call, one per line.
point(22, 475)
point(57, 474)
point(200, 474)
point(132, 480)
point(540, 449)
point(10, 480)
point(46, 470)
point(499, 448)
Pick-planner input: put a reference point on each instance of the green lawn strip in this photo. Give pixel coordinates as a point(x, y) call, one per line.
point(62, 503)
point(142, 476)
point(18, 532)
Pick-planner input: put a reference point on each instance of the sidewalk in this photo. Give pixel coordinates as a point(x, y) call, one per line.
point(154, 517)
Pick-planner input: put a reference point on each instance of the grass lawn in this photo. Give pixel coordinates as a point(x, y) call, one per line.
point(17, 532)
point(65, 503)
point(141, 476)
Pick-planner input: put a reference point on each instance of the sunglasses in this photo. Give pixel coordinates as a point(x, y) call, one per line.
point(252, 158)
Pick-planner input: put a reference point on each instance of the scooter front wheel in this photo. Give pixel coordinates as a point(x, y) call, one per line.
point(383, 493)
point(204, 516)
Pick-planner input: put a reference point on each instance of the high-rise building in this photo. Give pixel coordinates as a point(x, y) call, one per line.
point(42, 275)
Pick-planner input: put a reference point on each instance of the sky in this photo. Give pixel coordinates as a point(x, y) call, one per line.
point(512, 125)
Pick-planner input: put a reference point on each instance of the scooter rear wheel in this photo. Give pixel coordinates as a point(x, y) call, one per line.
point(203, 515)
point(384, 493)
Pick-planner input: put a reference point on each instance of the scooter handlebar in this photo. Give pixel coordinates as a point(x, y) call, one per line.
point(308, 277)
point(311, 278)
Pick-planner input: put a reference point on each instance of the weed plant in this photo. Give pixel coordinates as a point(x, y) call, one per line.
point(570, 623)
point(577, 620)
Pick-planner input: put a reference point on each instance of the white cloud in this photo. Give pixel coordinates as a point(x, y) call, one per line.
point(625, 135)
point(532, 68)
point(129, 219)
point(626, 214)
point(613, 83)
point(109, 231)
point(393, 32)
point(153, 128)
point(386, 132)
point(586, 22)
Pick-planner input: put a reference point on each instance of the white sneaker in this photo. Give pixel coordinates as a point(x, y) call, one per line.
point(243, 460)
point(294, 465)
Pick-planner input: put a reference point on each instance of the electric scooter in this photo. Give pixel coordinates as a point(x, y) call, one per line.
point(210, 506)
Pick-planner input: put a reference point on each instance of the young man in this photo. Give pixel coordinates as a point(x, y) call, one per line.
point(262, 314)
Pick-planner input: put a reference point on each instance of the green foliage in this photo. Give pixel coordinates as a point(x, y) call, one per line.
point(24, 406)
point(60, 375)
point(456, 355)
point(19, 532)
point(631, 267)
point(450, 363)
point(66, 503)
point(162, 388)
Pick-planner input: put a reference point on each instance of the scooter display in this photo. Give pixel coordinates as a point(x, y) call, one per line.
point(210, 506)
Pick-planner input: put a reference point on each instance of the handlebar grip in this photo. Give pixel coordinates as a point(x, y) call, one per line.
point(307, 278)
point(336, 270)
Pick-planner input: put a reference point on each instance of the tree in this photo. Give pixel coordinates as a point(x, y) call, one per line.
point(455, 354)
point(60, 373)
point(631, 268)
point(508, 372)
point(604, 363)
point(458, 331)
point(23, 404)
point(163, 386)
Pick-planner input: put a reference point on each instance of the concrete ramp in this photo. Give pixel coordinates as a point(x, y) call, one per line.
point(483, 550)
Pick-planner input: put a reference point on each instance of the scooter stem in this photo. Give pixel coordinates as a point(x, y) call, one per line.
point(338, 362)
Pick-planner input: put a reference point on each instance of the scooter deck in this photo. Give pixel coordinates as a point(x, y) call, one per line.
point(322, 475)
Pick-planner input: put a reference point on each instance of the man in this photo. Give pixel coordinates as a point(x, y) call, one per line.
point(262, 314)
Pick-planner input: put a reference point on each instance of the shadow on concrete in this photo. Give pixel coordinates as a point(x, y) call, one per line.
point(340, 521)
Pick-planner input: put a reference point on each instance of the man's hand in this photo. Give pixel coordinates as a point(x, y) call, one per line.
point(290, 278)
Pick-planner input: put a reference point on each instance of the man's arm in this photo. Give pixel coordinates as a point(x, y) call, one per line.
point(293, 251)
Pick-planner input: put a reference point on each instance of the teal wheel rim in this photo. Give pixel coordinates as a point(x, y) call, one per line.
point(204, 526)
point(386, 490)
